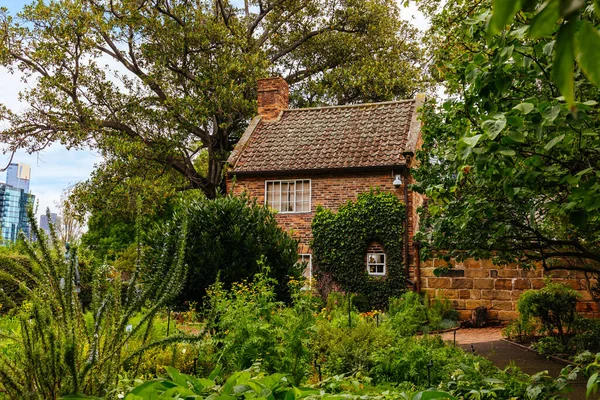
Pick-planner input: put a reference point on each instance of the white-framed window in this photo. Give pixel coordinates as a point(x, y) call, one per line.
point(376, 263)
point(291, 196)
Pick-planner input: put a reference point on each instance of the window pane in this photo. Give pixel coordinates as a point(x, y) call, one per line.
point(284, 196)
point(276, 203)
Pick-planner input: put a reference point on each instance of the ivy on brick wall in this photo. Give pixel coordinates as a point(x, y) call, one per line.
point(340, 242)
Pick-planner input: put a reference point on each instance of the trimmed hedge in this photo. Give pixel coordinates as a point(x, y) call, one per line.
point(340, 242)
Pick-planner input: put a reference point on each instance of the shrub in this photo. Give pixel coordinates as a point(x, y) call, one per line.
point(413, 312)
point(59, 350)
point(341, 240)
point(520, 328)
point(228, 237)
point(249, 325)
point(554, 306)
point(588, 337)
point(550, 345)
point(407, 314)
point(343, 350)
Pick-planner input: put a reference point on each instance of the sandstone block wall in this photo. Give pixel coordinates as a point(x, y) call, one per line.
point(476, 283)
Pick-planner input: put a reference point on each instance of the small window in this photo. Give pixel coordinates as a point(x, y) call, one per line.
point(288, 196)
point(376, 263)
point(306, 259)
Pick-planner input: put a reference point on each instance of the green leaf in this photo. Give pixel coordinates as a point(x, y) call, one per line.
point(508, 153)
point(503, 11)
point(432, 395)
point(524, 108)
point(551, 113)
point(516, 136)
point(508, 190)
point(588, 51)
point(544, 23)
point(562, 67)
point(471, 141)
point(591, 384)
point(597, 7)
point(492, 127)
point(554, 141)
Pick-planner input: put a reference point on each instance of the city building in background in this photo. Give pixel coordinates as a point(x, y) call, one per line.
point(18, 176)
point(45, 222)
point(14, 201)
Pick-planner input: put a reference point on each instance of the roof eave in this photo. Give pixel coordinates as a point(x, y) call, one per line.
point(241, 144)
point(319, 170)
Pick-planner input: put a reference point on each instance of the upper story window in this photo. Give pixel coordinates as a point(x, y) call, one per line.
point(376, 263)
point(288, 196)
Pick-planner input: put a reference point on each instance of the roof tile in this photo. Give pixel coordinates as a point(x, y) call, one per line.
point(365, 135)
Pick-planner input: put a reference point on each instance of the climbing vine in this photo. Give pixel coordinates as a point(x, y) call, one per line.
point(340, 242)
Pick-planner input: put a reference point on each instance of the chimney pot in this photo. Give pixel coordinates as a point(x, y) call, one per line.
point(273, 97)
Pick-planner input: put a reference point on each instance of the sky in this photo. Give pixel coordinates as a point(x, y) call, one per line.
point(56, 169)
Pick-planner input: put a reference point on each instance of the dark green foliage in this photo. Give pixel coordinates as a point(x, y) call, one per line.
point(191, 70)
point(58, 351)
point(554, 306)
point(11, 262)
point(511, 173)
point(588, 335)
point(408, 314)
point(407, 360)
point(413, 313)
point(341, 349)
point(558, 19)
point(249, 324)
point(240, 385)
point(551, 312)
point(228, 237)
point(341, 240)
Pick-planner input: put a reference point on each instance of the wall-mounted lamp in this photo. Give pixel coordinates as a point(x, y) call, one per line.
point(397, 181)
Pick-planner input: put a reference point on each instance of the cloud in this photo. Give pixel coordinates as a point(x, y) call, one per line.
point(53, 171)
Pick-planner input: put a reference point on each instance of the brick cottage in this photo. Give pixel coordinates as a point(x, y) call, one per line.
point(294, 160)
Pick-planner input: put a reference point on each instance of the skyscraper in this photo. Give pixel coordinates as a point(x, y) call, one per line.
point(45, 222)
point(13, 212)
point(18, 175)
point(14, 201)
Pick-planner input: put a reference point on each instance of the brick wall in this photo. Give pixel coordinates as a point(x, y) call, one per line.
point(273, 97)
point(329, 190)
point(475, 283)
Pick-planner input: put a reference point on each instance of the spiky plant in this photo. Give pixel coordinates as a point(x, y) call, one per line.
point(57, 352)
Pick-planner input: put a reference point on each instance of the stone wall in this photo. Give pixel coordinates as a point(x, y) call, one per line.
point(475, 283)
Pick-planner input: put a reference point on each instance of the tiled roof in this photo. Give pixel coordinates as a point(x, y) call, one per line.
point(366, 135)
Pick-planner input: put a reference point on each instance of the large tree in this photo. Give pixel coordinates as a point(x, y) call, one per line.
point(511, 169)
point(165, 80)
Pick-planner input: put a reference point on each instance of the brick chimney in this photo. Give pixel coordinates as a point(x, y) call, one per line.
point(273, 97)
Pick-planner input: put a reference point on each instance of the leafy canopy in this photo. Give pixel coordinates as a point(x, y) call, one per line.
point(509, 170)
point(158, 84)
point(576, 37)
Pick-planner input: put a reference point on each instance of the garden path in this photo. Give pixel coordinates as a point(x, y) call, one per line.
point(488, 343)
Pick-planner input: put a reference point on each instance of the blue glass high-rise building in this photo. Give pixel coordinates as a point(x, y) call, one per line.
point(13, 212)
point(18, 175)
point(14, 201)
